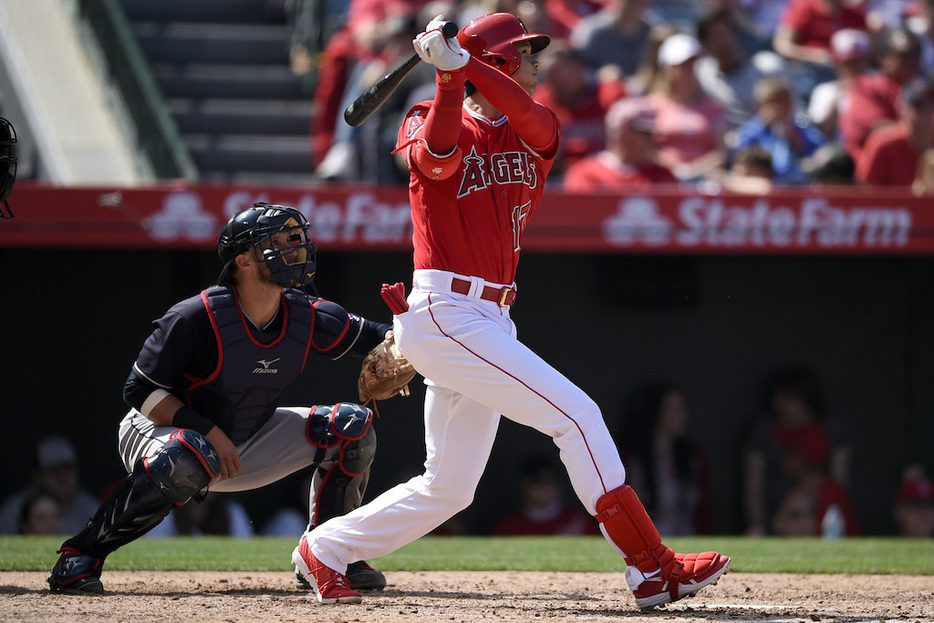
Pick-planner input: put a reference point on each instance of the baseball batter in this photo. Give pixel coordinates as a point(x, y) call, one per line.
point(204, 394)
point(478, 167)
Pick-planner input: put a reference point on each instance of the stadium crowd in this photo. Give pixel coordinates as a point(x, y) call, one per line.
point(741, 95)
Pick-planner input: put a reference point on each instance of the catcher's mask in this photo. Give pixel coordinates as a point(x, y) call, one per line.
point(7, 166)
point(490, 38)
point(278, 236)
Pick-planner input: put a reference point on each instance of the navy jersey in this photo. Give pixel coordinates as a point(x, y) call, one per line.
point(208, 354)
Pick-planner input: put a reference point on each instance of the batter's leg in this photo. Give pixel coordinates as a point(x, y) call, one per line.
point(459, 437)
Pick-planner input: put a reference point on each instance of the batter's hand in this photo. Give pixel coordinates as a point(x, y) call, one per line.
point(227, 451)
point(436, 49)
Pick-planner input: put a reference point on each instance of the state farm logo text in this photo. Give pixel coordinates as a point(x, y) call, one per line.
point(712, 221)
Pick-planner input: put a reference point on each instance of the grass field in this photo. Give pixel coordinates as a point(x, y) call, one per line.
point(765, 555)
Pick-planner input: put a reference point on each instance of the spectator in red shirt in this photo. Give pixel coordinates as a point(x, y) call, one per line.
point(914, 504)
point(806, 26)
point(892, 152)
point(563, 15)
point(362, 39)
point(580, 100)
point(629, 158)
point(853, 55)
point(543, 508)
point(801, 510)
point(872, 99)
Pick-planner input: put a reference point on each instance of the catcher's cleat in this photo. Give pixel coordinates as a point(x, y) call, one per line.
point(362, 577)
point(76, 573)
point(330, 586)
point(681, 575)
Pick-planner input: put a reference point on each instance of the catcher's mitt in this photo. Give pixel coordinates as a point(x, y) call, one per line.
point(385, 373)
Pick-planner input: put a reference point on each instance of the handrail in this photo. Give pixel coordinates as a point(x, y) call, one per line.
point(156, 132)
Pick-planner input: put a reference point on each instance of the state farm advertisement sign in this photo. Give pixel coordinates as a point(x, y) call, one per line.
point(870, 221)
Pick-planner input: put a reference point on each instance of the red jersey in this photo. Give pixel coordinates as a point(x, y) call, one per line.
point(814, 23)
point(887, 158)
point(487, 203)
point(604, 171)
point(583, 130)
point(871, 100)
point(568, 521)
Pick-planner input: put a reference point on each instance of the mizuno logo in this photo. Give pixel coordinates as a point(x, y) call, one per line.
point(265, 363)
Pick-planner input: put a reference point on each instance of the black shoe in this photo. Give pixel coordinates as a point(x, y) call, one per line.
point(364, 577)
point(76, 573)
point(361, 576)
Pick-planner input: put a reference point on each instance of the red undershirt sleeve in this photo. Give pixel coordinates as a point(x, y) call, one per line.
point(443, 122)
point(534, 123)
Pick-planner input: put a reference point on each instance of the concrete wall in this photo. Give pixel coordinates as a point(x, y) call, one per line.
point(74, 321)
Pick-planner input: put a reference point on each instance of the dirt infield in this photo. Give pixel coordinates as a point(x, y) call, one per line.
point(166, 597)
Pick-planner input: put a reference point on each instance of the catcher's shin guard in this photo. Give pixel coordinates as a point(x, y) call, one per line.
point(184, 466)
point(346, 443)
point(663, 576)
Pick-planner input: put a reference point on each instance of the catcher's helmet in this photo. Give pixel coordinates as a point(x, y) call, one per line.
point(490, 38)
point(278, 236)
point(7, 166)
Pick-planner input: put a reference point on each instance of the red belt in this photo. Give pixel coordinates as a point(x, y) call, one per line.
point(504, 297)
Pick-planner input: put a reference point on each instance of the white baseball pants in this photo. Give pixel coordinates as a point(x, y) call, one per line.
point(475, 370)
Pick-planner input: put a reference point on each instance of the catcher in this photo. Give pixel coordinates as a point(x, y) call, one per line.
point(204, 398)
point(7, 166)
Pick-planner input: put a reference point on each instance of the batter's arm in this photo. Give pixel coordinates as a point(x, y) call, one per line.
point(535, 124)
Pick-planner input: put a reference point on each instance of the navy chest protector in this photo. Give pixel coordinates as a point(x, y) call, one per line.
point(251, 375)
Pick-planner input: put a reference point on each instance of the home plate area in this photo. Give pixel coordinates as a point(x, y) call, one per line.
point(260, 597)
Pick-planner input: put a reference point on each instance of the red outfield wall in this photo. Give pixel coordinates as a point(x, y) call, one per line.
point(832, 221)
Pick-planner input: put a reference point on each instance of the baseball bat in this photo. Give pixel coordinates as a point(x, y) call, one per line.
point(373, 98)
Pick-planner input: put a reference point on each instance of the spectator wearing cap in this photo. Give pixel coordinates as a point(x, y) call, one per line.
point(689, 125)
point(56, 474)
point(892, 152)
point(778, 128)
point(726, 72)
point(914, 504)
point(852, 56)
point(572, 90)
point(873, 99)
point(629, 157)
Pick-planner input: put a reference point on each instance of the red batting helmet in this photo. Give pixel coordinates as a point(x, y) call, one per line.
point(490, 38)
